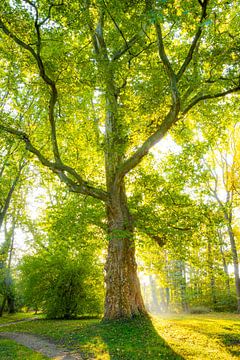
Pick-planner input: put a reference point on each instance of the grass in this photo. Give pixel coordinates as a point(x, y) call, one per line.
point(9, 350)
point(211, 336)
point(6, 318)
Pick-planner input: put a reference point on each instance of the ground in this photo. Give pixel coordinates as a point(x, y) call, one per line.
point(208, 336)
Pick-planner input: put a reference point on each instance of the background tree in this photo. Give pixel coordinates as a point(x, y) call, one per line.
point(63, 274)
point(12, 165)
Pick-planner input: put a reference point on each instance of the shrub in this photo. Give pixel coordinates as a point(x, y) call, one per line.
point(61, 285)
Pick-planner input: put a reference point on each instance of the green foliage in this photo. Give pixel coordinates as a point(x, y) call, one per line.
point(61, 285)
point(63, 277)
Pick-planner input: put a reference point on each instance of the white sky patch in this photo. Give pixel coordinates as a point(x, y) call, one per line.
point(165, 146)
point(144, 279)
point(36, 202)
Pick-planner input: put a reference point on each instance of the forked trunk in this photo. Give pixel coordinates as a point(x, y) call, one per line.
point(123, 294)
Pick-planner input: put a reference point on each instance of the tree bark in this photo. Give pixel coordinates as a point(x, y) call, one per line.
point(123, 294)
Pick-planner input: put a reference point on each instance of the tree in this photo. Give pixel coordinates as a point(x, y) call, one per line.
point(143, 67)
point(223, 190)
point(6, 280)
point(10, 176)
point(63, 273)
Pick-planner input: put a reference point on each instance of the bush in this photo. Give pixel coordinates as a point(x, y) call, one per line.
point(199, 310)
point(62, 286)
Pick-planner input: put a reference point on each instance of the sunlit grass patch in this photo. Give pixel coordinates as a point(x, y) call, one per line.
point(9, 350)
point(200, 336)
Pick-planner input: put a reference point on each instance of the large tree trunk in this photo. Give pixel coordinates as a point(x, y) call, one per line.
point(123, 294)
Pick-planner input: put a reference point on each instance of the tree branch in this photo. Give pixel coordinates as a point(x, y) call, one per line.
point(10, 193)
point(136, 158)
point(44, 76)
point(195, 40)
point(169, 71)
point(128, 44)
point(80, 186)
point(199, 98)
point(163, 55)
point(168, 121)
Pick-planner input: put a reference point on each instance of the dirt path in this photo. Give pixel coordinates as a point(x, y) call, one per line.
point(39, 344)
point(43, 346)
point(17, 322)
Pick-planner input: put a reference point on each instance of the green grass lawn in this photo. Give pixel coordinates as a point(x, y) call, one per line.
point(9, 350)
point(211, 336)
point(6, 318)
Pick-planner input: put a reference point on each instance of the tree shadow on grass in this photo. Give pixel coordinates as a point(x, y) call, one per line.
point(231, 342)
point(135, 339)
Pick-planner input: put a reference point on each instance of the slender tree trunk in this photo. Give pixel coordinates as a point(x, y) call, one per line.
point(155, 302)
point(225, 268)
point(227, 209)
point(183, 287)
point(3, 305)
point(123, 294)
point(11, 303)
point(211, 275)
point(235, 264)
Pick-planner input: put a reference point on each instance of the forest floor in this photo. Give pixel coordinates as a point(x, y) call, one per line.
point(207, 336)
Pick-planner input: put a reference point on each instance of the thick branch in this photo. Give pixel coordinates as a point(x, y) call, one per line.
point(170, 119)
point(136, 158)
point(169, 70)
point(167, 123)
point(9, 195)
point(195, 41)
point(199, 98)
point(80, 186)
point(44, 76)
point(163, 55)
